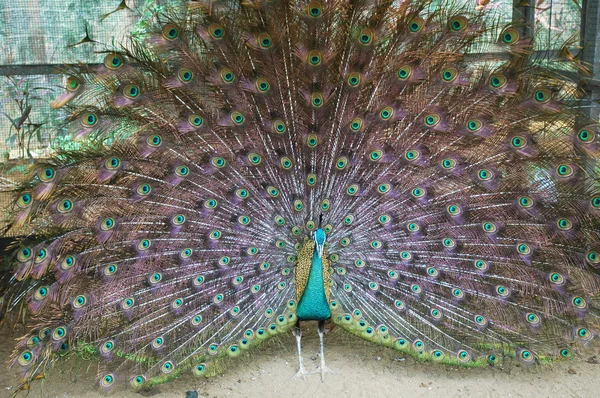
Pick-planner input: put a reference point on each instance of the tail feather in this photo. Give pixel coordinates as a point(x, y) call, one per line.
point(457, 195)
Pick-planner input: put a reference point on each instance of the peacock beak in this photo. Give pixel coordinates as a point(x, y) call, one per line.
point(319, 237)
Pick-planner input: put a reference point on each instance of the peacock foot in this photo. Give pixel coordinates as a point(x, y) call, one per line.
point(322, 368)
point(302, 373)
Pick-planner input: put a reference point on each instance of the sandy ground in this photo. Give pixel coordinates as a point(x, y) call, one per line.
point(362, 370)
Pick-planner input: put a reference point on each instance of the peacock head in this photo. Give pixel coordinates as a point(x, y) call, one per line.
point(319, 237)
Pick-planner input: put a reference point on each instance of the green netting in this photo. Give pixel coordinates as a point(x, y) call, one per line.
point(44, 31)
point(557, 21)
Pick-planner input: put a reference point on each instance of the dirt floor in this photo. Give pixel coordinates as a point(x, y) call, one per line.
point(362, 370)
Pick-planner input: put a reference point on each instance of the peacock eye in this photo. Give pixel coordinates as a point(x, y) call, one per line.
point(216, 31)
point(353, 79)
point(25, 358)
point(298, 205)
point(112, 163)
point(523, 248)
point(227, 75)
point(365, 37)
point(144, 189)
point(542, 96)
point(474, 125)
point(404, 72)
point(279, 126)
point(262, 85)
point(376, 155)
point(218, 162)
point(458, 23)
point(79, 302)
point(384, 188)
point(564, 224)
point(237, 118)
point(182, 171)
point(564, 170)
point(242, 193)
point(185, 75)
point(315, 57)
point(64, 206)
point(510, 36)
point(480, 320)
point(518, 142)
point(498, 81)
point(211, 203)
point(127, 303)
point(254, 158)
point(46, 175)
point(131, 91)
point(154, 141)
point(312, 140)
point(485, 174)
point(386, 113)
point(170, 32)
point(418, 192)
point(286, 163)
point(526, 202)
point(317, 100)
point(265, 41)
point(586, 135)
point(67, 263)
point(113, 61)
point(73, 84)
point(352, 189)
point(412, 154)
point(341, 163)
point(315, 9)
point(107, 224)
point(489, 227)
point(167, 367)
point(416, 25)
point(448, 163)
point(449, 75)
point(24, 200)
point(356, 125)
point(186, 253)
point(179, 219)
point(89, 119)
point(40, 293)
point(144, 244)
point(432, 120)
point(413, 227)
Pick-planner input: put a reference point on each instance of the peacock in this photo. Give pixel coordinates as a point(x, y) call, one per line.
point(247, 166)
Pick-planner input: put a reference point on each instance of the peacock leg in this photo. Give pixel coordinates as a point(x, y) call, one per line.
point(322, 368)
point(301, 372)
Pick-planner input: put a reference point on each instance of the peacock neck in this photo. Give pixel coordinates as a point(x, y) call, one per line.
point(313, 303)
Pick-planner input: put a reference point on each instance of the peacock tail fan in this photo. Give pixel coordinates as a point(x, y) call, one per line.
point(458, 195)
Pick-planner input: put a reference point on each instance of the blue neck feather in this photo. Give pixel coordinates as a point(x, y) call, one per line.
point(313, 305)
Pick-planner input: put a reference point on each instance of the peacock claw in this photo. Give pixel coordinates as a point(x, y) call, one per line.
point(302, 373)
point(323, 369)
